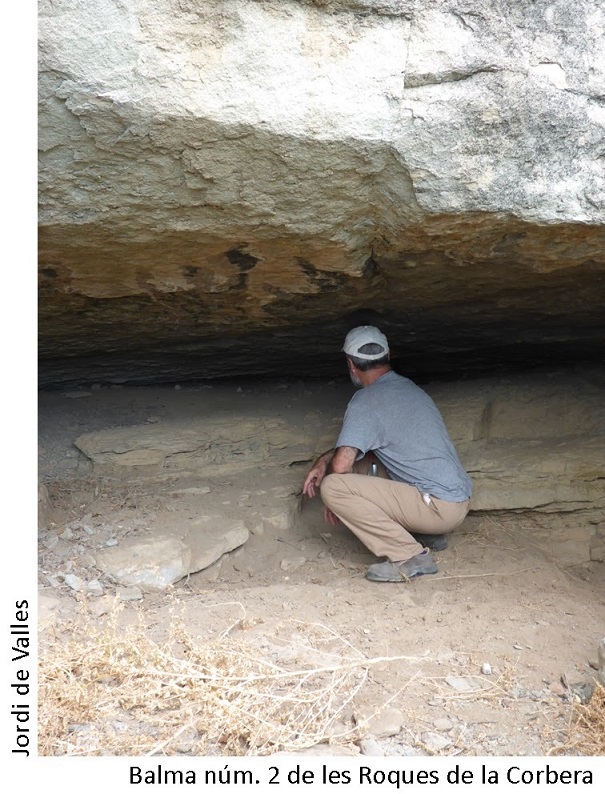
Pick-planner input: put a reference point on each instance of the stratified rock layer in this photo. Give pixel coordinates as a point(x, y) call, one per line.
point(226, 187)
point(533, 444)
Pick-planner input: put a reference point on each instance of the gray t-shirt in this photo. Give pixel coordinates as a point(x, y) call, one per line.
point(401, 424)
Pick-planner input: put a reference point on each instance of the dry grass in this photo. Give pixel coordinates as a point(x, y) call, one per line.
point(586, 729)
point(111, 690)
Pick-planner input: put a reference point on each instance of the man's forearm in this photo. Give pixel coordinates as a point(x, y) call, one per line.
point(325, 458)
point(342, 460)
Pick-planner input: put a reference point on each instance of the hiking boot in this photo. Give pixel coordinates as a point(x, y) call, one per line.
point(433, 542)
point(419, 565)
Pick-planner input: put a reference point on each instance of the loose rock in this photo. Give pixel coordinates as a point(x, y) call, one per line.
point(73, 581)
point(435, 742)
point(369, 746)
point(94, 587)
point(292, 563)
point(388, 722)
point(460, 684)
point(129, 593)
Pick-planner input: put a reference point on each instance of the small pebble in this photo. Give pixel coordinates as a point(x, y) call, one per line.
point(187, 741)
point(486, 668)
point(292, 563)
point(129, 594)
point(460, 684)
point(111, 542)
point(369, 746)
point(94, 587)
point(435, 742)
point(557, 688)
point(78, 727)
point(388, 722)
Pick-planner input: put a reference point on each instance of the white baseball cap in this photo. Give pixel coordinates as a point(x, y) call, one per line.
point(365, 335)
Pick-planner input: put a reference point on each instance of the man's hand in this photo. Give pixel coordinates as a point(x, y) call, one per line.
point(330, 517)
point(314, 478)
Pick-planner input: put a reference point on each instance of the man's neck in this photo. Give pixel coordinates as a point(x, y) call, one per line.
point(370, 376)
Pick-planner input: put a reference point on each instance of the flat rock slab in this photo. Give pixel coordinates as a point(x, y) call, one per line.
point(211, 537)
point(461, 684)
point(155, 563)
point(215, 445)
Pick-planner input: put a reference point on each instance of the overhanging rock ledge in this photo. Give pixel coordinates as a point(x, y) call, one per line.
point(226, 187)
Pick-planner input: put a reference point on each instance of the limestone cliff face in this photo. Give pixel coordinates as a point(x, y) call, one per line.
point(224, 183)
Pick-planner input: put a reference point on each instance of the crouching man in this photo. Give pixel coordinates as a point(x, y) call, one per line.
point(394, 429)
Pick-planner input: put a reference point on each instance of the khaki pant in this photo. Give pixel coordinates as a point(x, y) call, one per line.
point(382, 512)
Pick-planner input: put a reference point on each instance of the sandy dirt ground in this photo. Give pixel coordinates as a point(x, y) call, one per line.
point(484, 658)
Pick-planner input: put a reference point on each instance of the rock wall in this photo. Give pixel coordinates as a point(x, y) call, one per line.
point(223, 182)
point(531, 443)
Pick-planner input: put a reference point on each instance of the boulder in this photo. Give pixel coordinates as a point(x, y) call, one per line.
point(156, 562)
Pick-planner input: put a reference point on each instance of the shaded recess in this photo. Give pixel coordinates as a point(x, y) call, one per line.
point(455, 295)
